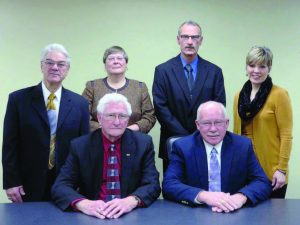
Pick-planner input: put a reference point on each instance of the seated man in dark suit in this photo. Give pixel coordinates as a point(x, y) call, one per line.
point(215, 167)
point(112, 168)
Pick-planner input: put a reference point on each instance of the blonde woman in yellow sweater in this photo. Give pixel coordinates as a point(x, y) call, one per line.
point(263, 112)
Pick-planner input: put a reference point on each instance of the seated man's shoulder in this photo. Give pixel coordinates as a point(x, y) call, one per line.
point(137, 135)
point(186, 143)
point(87, 138)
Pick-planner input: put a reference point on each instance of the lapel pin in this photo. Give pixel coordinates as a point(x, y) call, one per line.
point(127, 154)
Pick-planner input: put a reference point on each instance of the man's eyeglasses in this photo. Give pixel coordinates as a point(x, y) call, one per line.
point(187, 37)
point(60, 64)
point(112, 117)
point(217, 123)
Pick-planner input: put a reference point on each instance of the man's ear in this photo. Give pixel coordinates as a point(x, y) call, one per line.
point(99, 118)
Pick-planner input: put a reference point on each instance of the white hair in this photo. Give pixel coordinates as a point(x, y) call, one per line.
point(113, 98)
point(209, 103)
point(55, 47)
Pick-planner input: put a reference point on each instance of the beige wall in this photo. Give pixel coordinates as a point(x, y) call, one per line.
point(147, 30)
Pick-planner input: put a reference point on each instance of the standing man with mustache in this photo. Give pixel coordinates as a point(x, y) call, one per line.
point(39, 123)
point(181, 84)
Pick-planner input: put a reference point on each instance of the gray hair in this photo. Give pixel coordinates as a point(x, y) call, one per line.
point(113, 98)
point(113, 50)
point(209, 103)
point(57, 48)
point(192, 23)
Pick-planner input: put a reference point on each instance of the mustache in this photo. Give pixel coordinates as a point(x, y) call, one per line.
point(189, 47)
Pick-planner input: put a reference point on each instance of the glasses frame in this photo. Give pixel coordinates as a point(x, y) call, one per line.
point(186, 37)
point(217, 123)
point(112, 117)
point(116, 59)
point(59, 64)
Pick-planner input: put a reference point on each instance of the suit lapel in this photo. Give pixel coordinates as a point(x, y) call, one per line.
point(128, 149)
point(202, 73)
point(38, 103)
point(64, 108)
point(180, 77)
point(201, 159)
point(226, 162)
point(96, 162)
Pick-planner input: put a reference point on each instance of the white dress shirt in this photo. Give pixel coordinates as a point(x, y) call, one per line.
point(56, 101)
point(208, 148)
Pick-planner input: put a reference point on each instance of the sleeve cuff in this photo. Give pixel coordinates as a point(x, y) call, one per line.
point(73, 204)
point(140, 202)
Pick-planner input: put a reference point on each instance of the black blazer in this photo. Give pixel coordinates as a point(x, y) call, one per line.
point(84, 168)
point(26, 137)
point(175, 110)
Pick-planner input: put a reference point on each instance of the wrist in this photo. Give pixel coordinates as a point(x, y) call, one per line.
point(243, 197)
point(136, 200)
point(201, 197)
point(78, 204)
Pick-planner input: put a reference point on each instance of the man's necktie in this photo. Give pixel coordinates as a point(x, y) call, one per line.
point(52, 117)
point(215, 172)
point(113, 176)
point(50, 104)
point(190, 77)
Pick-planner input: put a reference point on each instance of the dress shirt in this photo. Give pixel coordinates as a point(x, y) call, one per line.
point(194, 65)
point(208, 148)
point(106, 145)
point(56, 100)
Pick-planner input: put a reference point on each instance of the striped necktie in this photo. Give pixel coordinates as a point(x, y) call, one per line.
point(113, 189)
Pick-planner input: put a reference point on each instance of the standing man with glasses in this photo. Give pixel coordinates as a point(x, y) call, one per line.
point(215, 167)
point(39, 123)
point(181, 84)
point(113, 167)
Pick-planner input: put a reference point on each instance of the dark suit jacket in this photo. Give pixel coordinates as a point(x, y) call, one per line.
point(84, 168)
point(174, 109)
point(26, 137)
point(241, 172)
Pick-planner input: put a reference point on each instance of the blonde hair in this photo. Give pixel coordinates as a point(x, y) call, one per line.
point(260, 55)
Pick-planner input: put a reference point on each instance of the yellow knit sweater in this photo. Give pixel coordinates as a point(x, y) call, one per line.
point(270, 131)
